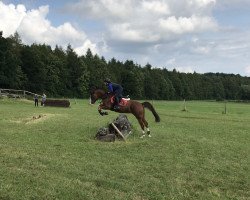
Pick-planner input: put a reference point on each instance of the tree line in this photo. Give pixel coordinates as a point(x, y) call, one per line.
point(62, 73)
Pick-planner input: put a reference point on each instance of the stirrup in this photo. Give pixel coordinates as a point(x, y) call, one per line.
point(116, 107)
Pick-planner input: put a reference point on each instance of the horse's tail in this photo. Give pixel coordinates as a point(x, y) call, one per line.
point(151, 108)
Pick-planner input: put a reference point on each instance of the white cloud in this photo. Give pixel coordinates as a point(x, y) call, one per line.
point(102, 9)
point(81, 50)
point(201, 3)
point(157, 7)
point(149, 21)
point(171, 62)
point(247, 70)
point(202, 49)
point(11, 17)
point(190, 7)
point(34, 27)
point(186, 31)
point(185, 69)
point(128, 10)
point(126, 32)
point(184, 25)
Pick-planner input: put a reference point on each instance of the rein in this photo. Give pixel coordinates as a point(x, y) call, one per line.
point(105, 96)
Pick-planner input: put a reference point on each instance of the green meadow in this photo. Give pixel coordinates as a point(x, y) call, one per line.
point(198, 154)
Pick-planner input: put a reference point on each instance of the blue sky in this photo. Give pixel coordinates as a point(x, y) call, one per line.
point(188, 35)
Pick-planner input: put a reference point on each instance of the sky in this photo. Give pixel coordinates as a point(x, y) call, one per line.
point(186, 35)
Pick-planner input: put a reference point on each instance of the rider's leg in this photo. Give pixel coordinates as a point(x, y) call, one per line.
point(120, 95)
point(117, 100)
point(116, 103)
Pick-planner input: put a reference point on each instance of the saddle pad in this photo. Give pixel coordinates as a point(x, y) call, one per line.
point(123, 102)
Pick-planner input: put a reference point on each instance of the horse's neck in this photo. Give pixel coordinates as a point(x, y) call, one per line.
point(101, 93)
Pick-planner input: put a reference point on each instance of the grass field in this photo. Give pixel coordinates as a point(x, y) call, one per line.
point(199, 154)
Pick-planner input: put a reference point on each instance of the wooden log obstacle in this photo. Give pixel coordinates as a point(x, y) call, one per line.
point(120, 129)
point(56, 102)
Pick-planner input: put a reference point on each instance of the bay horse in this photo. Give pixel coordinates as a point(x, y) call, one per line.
point(128, 106)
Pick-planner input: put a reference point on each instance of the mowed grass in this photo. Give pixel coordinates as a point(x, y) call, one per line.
point(199, 154)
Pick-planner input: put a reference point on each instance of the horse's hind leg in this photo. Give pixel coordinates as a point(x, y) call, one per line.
point(146, 124)
point(142, 127)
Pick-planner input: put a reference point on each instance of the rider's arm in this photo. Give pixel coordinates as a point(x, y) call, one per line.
point(110, 87)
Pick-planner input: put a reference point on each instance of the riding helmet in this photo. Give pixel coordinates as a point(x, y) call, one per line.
point(107, 80)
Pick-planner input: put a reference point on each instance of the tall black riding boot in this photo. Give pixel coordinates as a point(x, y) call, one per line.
point(116, 106)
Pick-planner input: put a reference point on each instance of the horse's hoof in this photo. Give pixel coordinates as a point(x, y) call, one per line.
point(149, 135)
point(142, 136)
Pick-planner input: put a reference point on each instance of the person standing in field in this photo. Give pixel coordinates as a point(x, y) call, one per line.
point(43, 99)
point(36, 100)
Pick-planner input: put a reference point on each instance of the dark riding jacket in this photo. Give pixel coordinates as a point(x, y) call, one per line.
point(117, 90)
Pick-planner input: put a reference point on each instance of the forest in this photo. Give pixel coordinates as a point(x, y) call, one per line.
point(62, 73)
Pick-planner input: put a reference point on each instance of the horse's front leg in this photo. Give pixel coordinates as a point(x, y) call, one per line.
point(100, 107)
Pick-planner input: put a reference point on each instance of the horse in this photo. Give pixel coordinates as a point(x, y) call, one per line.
point(127, 106)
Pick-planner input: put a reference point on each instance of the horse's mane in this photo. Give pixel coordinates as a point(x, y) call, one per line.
point(94, 88)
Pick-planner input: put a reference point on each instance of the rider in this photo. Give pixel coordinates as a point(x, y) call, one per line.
point(116, 89)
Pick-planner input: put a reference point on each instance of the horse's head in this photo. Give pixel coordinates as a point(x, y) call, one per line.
point(96, 94)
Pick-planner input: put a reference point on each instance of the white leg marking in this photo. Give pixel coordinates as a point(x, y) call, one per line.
point(143, 134)
point(148, 131)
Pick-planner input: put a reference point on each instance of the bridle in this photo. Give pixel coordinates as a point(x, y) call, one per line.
point(103, 97)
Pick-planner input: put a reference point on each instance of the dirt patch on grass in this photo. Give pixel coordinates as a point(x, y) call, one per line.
point(39, 118)
point(35, 118)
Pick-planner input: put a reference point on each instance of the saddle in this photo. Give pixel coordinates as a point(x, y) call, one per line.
point(123, 101)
